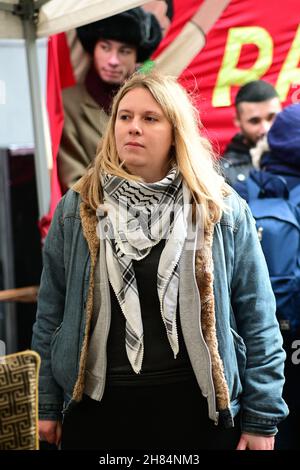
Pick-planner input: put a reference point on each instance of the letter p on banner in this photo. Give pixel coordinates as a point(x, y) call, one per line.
point(229, 74)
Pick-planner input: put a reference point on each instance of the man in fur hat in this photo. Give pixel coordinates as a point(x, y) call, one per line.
point(116, 44)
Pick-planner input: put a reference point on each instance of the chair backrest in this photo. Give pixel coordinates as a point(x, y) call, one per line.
point(19, 401)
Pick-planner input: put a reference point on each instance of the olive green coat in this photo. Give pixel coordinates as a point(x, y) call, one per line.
point(84, 125)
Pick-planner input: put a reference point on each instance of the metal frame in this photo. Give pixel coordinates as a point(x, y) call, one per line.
point(42, 152)
point(24, 8)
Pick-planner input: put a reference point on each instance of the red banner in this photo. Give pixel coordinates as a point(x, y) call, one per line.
point(250, 40)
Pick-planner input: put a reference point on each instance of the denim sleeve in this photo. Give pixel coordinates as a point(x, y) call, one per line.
point(50, 310)
point(254, 308)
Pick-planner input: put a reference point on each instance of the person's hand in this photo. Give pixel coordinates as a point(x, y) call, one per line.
point(252, 442)
point(50, 431)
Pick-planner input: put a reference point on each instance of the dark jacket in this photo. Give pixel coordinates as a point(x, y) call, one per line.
point(282, 160)
point(236, 162)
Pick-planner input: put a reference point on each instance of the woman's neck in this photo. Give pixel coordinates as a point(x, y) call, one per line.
point(150, 175)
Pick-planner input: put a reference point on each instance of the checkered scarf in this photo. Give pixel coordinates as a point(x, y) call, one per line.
point(140, 215)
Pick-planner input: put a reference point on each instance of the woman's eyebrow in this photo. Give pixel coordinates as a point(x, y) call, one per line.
point(153, 112)
point(149, 111)
point(124, 111)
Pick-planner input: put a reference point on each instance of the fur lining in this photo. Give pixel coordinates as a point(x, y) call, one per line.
point(204, 276)
point(78, 185)
point(89, 226)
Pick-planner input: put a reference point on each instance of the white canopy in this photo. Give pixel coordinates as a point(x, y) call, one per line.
point(61, 15)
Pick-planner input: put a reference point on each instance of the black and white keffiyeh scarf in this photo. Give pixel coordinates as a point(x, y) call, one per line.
point(139, 216)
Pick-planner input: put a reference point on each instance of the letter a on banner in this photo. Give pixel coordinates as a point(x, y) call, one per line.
point(290, 72)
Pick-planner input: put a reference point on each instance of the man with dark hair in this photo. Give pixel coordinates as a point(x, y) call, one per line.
point(256, 105)
point(115, 44)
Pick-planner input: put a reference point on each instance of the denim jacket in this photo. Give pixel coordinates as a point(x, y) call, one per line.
point(227, 311)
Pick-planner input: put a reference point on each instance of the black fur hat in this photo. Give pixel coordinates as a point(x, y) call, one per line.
point(135, 27)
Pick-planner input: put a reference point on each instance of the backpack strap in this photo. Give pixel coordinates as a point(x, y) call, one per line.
point(253, 188)
point(255, 191)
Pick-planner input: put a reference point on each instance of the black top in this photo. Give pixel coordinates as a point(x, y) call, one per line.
point(159, 364)
point(236, 162)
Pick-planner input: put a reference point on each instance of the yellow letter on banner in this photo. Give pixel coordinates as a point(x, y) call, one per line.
point(289, 74)
point(229, 74)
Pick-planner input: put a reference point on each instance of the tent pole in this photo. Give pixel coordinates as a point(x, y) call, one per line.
point(41, 130)
point(8, 312)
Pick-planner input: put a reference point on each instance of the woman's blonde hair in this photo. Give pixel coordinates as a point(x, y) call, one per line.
point(192, 152)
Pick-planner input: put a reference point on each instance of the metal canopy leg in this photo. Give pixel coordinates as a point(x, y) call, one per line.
point(42, 153)
point(8, 324)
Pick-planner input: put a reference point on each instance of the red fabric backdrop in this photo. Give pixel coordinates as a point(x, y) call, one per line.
point(250, 40)
point(278, 22)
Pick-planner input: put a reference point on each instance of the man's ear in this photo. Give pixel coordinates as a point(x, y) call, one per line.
point(236, 121)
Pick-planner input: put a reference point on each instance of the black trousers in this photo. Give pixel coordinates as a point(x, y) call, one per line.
point(172, 416)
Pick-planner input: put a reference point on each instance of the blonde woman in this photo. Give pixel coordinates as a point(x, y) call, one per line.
point(156, 320)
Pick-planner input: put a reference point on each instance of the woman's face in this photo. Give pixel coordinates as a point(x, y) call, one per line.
point(143, 135)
